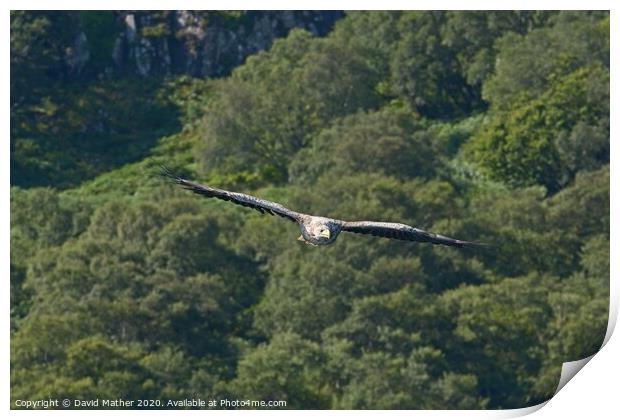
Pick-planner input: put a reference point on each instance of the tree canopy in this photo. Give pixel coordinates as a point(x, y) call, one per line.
point(488, 126)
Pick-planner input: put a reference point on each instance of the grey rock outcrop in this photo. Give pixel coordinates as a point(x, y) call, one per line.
point(204, 43)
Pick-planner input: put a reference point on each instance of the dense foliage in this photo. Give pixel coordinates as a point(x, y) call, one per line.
point(487, 126)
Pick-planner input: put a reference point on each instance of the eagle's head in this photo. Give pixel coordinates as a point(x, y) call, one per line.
point(319, 231)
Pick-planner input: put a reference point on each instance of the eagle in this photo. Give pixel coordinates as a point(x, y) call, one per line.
point(317, 230)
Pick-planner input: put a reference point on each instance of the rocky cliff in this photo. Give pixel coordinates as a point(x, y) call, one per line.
point(196, 43)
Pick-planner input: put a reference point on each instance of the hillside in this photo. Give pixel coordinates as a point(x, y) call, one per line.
point(486, 126)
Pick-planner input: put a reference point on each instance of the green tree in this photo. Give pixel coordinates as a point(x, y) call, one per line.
point(528, 145)
point(425, 71)
point(387, 141)
point(288, 368)
point(529, 63)
point(270, 106)
point(472, 36)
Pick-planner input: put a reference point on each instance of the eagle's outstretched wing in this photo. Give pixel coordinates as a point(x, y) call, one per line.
point(403, 232)
point(245, 200)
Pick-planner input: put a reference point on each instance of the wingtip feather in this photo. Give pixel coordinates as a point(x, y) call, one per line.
point(166, 173)
point(466, 244)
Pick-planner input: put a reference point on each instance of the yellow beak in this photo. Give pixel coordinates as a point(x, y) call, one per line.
point(325, 234)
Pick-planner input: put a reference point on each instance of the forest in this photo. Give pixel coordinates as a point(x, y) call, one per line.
point(488, 126)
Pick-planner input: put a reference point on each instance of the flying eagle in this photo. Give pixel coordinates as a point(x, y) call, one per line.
point(316, 230)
